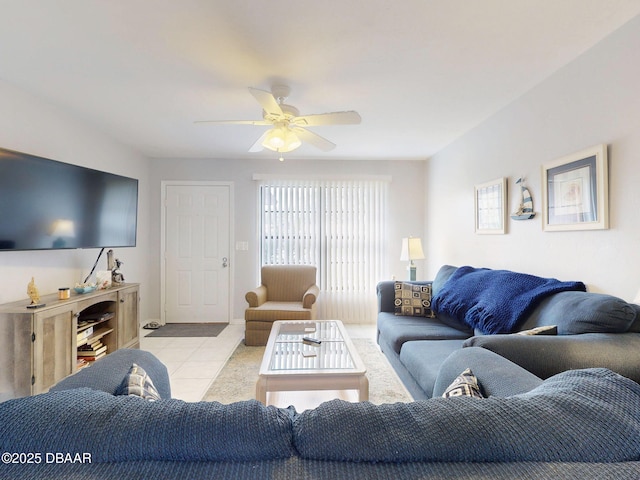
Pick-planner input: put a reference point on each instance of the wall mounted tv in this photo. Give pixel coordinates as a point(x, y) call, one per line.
point(45, 204)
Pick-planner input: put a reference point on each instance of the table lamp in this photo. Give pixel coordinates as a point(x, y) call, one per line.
point(411, 250)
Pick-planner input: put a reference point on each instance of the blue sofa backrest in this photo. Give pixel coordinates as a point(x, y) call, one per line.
point(573, 312)
point(583, 312)
point(126, 428)
point(590, 415)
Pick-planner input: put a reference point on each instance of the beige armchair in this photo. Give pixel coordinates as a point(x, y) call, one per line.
point(288, 292)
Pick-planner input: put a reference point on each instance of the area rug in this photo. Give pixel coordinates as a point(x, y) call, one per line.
point(188, 330)
point(237, 380)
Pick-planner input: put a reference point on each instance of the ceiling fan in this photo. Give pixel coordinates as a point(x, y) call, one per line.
point(288, 126)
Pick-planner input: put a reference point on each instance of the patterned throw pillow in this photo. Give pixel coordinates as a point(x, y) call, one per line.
point(138, 384)
point(465, 385)
point(548, 330)
point(413, 300)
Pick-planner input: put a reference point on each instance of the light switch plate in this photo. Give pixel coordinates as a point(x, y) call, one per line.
point(241, 245)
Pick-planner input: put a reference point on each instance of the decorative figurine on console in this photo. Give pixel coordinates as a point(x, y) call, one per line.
point(114, 266)
point(34, 295)
point(116, 275)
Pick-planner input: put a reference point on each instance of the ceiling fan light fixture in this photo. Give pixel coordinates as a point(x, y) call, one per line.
point(288, 128)
point(281, 140)
point(274, 140)
point(291, 141)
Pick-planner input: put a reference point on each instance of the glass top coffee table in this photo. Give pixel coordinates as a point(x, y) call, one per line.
point(296, 371)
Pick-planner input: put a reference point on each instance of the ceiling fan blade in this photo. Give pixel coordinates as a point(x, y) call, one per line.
point(257, 146)
point(314, 139)
point(332, 118)
point(235, 122)
point(267, 101)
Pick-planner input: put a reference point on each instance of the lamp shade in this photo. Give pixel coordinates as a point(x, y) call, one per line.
point(411, 249)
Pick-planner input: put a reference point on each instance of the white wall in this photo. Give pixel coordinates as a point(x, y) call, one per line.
point(405, 216)
point(592, 100)
point(29, 125)
point(595, 99)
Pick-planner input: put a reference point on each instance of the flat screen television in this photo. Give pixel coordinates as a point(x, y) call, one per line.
point(46, 204)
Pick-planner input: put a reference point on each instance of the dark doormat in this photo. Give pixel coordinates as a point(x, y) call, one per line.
point(188, 330)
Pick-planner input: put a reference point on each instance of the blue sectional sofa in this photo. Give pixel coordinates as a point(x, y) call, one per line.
point(476, 307)
point(580, 424)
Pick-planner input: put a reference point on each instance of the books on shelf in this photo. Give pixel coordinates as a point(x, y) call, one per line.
point(84, 334)
point(92, 351)
point(81, 363)
point(92, 318)
point(91, 331)
point(95, 317)
point(97, 357)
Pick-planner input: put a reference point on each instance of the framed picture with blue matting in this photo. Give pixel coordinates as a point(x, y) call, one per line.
point(575, 191)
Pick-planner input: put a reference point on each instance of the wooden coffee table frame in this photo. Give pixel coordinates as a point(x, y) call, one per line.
point(304, 386)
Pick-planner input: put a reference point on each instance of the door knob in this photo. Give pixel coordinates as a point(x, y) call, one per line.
point(224, 262)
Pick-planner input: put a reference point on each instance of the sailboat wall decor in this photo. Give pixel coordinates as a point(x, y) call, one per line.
point(525, 210)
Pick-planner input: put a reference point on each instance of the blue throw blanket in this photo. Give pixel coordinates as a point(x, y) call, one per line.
point(495, 301)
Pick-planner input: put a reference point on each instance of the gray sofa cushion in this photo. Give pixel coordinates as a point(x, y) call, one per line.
point(400, 329)
point(454, 323)
point(423, 358)
point(582, 415)
point(546, 355)
point(123, 428)
point(635, 326)
point(582, 312)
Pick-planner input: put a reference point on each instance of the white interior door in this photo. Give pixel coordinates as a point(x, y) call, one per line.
point(196, 253)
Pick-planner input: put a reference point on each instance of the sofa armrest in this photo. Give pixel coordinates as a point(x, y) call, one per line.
point(108, 373)
point(547, 355)
point(386, 295)
point(310, 296)
point(257, 296)
point(496, 375)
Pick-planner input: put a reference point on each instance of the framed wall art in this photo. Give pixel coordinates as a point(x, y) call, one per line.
point(491, 207)
point(575, 191)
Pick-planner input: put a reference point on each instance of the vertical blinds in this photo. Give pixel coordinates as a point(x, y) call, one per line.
point(336, 225)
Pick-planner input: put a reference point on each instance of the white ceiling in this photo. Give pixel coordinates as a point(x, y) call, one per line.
point(420, 72)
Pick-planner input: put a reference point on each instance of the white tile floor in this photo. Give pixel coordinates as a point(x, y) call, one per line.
point(193, 363)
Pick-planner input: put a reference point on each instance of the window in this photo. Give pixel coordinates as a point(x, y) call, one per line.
point(336, 225)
